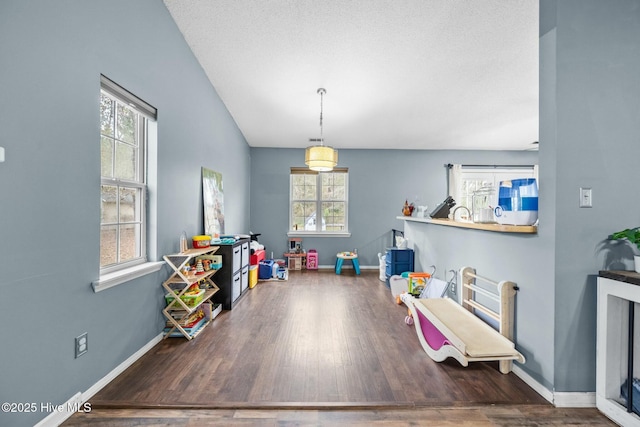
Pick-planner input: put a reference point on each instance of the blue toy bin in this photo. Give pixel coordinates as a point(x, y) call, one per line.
point(265, 269)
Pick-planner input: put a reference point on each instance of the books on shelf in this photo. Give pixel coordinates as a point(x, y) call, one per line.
point(194, 321)
point(190, 320)
point(189, 330)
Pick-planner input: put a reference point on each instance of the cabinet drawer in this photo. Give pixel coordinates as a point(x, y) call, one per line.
point(236, 286)
point(244, 282)
point(399, 255)
point(237, 258)
point(399, 268)
point(245, 254)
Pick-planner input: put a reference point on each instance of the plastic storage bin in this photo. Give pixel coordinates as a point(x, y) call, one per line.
point(256, 257)
point(201, 241)
point(189, 298)
point(265, 269)
point(253, 276)
point(398, 261)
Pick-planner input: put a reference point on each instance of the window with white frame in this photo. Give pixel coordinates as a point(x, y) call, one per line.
point(484, 181)
point(319, 201)
point(124, 133)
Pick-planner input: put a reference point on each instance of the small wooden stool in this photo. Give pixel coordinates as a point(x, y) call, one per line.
point(341, 256)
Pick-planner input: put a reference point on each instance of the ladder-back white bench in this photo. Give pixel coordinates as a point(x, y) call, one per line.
point(447, 329)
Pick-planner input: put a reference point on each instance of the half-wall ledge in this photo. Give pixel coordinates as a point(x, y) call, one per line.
point(500, 228)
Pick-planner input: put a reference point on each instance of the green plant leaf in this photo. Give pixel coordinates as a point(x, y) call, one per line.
point(630, 234)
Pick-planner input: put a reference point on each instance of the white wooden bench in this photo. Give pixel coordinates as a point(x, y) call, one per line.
point(446, 329)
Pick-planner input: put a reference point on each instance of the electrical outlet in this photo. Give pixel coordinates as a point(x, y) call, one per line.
point(82, 345)
point(453, 287)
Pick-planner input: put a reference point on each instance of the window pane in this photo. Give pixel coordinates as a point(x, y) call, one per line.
point(309, 209)
point(129, 209)
point(108, 204)
point(333, 186)
point(298, 192)
point(106, 157)
point(303, 216)
point(122, 205)
point(108, 245)
point(129, 238)
point(127, 124)
point(339, 192)
point(322, 208)
point(106, 115)
point(310, 192)
point(297, 179)
point(297, 216)
point(334, 216)
point(304, 187)
point(125, 161)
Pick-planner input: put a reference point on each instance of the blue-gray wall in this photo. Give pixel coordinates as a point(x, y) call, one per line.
point(591, 59)
point(379, 183)
point(52, 55)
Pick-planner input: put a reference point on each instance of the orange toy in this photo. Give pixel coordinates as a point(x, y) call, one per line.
point(417, 281)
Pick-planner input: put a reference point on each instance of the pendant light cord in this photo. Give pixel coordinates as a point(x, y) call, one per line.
point(321, 91)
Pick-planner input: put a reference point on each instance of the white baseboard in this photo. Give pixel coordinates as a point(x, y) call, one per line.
point(348, 267)
point(60, 413)
point(574, 399)
point(120, 368)
point(78, 402)
point(535, 385)
point(558, 398)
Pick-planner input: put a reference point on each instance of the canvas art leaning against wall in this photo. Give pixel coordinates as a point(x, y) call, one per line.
point(213, 198)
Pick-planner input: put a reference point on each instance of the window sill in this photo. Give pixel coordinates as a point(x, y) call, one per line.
point(318, 234)
point(119, 277)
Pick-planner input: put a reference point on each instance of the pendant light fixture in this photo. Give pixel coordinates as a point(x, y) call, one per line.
point(320, 157)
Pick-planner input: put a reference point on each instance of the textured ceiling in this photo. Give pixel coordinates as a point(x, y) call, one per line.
point(408, 74)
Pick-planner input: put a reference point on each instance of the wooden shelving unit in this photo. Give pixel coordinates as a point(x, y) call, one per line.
point(500, 228)
point(178, 284)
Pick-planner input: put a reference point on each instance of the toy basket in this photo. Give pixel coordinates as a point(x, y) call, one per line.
point(190, 298)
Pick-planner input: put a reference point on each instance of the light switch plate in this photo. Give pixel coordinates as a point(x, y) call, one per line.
point(586, 197)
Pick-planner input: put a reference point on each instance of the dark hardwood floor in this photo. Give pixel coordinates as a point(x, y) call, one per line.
point(318, 349)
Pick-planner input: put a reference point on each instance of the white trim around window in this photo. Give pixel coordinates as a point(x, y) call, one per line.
point(317, 234)
point(318, 203)
point(128, 140)
point(116, 278)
